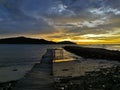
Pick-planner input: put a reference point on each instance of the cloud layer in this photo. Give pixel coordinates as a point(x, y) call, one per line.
point(82, 20)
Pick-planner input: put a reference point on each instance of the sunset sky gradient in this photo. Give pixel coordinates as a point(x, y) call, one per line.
point(80, 21)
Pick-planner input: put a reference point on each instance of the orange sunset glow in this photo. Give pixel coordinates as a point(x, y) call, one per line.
point(59, 20)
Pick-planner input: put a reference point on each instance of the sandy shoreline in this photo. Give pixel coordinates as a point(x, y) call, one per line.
point(15, 72)
point(79, 67)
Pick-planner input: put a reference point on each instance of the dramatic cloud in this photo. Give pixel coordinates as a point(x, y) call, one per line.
point(76, 20)
point(89, 24)
point(105, 10)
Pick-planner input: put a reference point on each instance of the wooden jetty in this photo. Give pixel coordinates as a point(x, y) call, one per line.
point(40, 77)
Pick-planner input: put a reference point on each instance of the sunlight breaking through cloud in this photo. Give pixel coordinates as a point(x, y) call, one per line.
point(56, 20)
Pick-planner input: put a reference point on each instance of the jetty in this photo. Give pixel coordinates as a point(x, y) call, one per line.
point(94, 53)
point(41, 75)
point(57, 71)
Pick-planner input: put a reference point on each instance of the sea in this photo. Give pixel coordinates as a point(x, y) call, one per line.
point(17, 59)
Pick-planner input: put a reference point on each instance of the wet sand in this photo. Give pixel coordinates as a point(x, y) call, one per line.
point(79, 67)
point(40, 77)
point(15, 72)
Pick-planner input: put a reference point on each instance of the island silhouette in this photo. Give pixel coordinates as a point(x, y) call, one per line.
point(26, 40)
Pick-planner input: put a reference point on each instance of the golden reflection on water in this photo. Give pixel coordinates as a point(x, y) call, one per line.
point(63, 60)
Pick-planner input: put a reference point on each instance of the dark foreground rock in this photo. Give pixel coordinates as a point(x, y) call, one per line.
point(7, 85)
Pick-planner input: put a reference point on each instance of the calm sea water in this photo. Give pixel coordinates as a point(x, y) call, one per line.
point(23, 57)
point(22, 54)
point(20, 57)
point(110, 47)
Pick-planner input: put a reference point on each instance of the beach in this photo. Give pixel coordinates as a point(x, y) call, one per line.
point(86, 74)
point(69, 66)
point(78, 67)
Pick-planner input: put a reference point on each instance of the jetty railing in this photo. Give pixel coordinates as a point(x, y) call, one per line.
point(56, 53)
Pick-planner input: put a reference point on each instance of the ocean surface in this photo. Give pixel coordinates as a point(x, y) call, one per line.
point(17, 60)
point(105, 46)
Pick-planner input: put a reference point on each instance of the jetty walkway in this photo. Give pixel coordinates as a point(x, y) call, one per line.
point(40, 77)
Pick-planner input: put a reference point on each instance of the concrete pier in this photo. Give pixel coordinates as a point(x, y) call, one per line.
point(40, 77)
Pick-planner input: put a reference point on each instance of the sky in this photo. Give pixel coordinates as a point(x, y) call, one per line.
point(80, 21)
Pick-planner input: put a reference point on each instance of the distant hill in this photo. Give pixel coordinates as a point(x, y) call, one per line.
point(25, 40)
point(66, 42)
